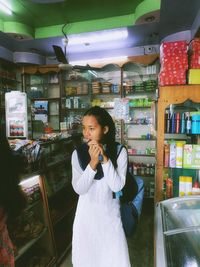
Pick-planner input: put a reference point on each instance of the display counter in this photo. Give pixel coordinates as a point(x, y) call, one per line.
point(178, 232)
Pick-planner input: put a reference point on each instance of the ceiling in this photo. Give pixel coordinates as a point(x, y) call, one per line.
point(34, 27)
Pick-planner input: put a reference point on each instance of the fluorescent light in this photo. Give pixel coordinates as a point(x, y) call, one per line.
point(99, 60)
point(5, 7)
point(101, 36)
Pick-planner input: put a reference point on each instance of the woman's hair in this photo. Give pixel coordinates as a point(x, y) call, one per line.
point(104, 119)
point(12, 199)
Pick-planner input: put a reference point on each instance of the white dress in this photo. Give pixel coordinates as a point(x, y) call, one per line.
point(98, 236)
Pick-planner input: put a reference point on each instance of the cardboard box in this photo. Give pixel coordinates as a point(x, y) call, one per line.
point(195, 156)
point(187, 156)
point(194, 76)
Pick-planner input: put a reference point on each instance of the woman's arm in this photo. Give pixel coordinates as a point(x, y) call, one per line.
point(116, 177)
point(81, 180)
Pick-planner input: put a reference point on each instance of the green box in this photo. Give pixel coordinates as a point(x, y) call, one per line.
point(195, 156)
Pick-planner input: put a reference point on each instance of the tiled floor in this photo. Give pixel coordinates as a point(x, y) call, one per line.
point(141, 244)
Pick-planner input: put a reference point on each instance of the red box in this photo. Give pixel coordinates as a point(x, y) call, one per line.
point(175, 77)
point(173, 46)
point(195, 44)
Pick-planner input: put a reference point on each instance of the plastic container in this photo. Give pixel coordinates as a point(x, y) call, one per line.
point(195, 129)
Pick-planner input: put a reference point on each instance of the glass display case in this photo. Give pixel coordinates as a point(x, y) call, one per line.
point(178, 232)
point(61, 198)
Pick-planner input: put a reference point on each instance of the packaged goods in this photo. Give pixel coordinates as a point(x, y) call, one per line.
point(188, 185)
point(176, 47)
point(179, 155)
point(182, 186)
point(169, 187)
point(172, 155)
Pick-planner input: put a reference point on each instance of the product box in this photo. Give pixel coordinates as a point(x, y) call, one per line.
point(194, 76)
point(195, 156)
point(191, 156)
point(172, 155)
point(172, 77)
point(195, 44)
point(187, 156)
point(173, 46)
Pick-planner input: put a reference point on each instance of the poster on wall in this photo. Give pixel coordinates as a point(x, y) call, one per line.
point(40, 108)
point(16, 114)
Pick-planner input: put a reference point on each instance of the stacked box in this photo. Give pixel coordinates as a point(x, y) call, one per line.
point(191, 156)
point(195, 54)
point(194, 76)
point(174, 63)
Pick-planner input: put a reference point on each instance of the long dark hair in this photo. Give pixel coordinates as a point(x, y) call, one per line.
point(105, 119)
point(12, 199)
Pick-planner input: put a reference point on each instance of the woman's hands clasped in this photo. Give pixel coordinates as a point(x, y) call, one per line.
point(96, 149)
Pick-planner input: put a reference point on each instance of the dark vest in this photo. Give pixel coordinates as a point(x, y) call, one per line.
point(84, 159)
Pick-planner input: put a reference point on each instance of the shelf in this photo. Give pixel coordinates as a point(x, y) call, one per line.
point(75, 109)
point(140, 92)
point(142, 107)
point(133, 123)
point(144, 175)
point(22, 250)
point(140, 139)
point(75, 95)
point(41, 84)
point(46, 99)
point(9, 80)
point(182, 168)
point(102, 94)
point(142, 155)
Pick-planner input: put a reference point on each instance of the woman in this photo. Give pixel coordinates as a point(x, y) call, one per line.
point(98, 236)
point(12, 201)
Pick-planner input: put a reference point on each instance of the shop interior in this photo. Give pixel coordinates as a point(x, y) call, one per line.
point(140, 60)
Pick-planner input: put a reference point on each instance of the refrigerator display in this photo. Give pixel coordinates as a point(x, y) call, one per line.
point(178, 232)
point(16, 114)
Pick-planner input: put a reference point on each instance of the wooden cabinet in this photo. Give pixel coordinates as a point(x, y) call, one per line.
point(170, 95)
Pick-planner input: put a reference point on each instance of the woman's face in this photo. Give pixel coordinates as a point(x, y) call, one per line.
point(92, 130)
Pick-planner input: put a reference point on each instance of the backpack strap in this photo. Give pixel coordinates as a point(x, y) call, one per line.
point(118, 194)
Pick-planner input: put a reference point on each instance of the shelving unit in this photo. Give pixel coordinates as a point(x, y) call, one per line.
point(138, 131)
point(42, 85)
point(10, 80)
point(169, 95)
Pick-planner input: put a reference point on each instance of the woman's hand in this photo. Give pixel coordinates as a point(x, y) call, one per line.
point(96, 149)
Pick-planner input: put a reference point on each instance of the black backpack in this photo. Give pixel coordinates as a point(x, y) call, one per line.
point(131, 200)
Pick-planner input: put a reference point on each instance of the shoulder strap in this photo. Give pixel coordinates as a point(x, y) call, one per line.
point(119, 149)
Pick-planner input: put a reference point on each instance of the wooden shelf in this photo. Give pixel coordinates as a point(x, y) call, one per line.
point(140, 139)
point(169, 95)
point(141, 155)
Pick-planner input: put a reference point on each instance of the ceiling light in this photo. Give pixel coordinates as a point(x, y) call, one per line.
point(5, 7)
point(101, 36)
point(99, 60)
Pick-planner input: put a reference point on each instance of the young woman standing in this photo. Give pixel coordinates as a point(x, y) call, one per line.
point(98, 235)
